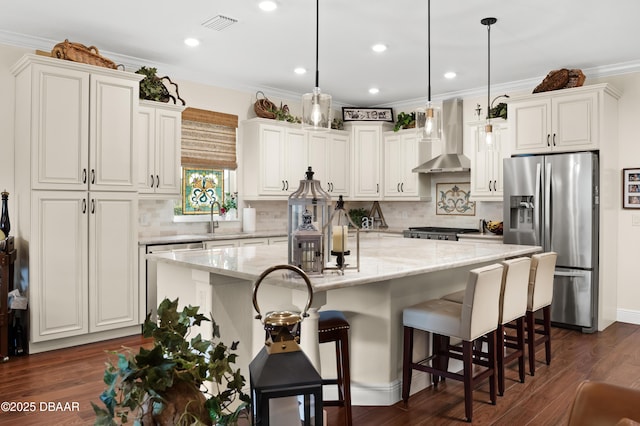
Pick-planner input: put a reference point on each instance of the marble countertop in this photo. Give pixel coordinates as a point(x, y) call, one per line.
point(478, 236)
point(381, 258)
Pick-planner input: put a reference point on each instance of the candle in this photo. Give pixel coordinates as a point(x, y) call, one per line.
point(340, 234)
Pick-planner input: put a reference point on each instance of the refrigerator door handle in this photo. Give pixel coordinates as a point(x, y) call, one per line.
point(537, 203)
point(547, 208)
point(573, 273)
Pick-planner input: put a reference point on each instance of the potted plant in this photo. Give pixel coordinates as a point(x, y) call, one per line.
point(163, 385)
point(405, 121)
point(229, 206)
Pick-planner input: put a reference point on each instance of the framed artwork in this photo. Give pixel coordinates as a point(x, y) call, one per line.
point(367, 114)
point(200, 188)
point(453, 199)
point(631, 188)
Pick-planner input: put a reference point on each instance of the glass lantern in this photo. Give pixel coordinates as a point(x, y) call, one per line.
point(308, 216)
point(338, 227)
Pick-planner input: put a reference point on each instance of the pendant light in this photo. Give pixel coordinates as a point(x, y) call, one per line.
point(429, 119)
point(488, 128)
point(316, 106)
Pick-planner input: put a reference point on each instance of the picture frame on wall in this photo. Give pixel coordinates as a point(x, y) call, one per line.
point(631, 188)
point(367, 114)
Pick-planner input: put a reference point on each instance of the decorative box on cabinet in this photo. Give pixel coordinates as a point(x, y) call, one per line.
point(275, 156)
point(486, 164)
point(76, 179)
point(329, 156)
point(403, 151)
point(366, 159)
point(159, 136)
point(562, 120)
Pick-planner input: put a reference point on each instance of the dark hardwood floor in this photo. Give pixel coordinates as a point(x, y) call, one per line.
point(75, 375)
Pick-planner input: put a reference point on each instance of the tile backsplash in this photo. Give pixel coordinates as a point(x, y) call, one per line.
point(156, 216)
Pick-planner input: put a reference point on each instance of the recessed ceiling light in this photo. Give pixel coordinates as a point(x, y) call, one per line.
point(268, 6)
point(450, 75)
point(374, 90)
point(191, 42)
point(300, 70)
point(379, 47)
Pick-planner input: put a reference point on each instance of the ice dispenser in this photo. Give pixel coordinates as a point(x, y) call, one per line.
point(521, 213)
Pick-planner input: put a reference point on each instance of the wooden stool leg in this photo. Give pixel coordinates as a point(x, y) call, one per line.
point(531, 342)
point(521, 348)
point(346, 376)
point(491, 337)
point(467, 359)
point(546, 312)
point(340, 369)
point(407, 359)
point(500, 358)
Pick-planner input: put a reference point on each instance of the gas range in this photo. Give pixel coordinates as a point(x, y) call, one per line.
point(437, 233)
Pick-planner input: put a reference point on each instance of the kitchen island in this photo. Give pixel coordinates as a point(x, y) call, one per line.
point(394, 273)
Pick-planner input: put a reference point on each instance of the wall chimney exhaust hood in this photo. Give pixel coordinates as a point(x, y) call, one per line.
point(452, 159)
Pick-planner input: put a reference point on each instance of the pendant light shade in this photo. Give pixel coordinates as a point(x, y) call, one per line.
point(316, 106)
point(429, 119)
point(488, 129)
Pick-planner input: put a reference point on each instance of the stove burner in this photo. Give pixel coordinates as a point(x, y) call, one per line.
point(436, 233)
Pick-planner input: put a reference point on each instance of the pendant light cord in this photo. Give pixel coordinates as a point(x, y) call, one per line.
point(488, 71)
point(429, 51)
point(317, 37)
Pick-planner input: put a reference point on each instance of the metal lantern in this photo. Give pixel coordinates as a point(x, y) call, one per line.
point(338, 228)
point(281, 369)
point(308, 216)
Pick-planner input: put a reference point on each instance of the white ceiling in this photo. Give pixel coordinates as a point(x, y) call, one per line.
point(261, 50)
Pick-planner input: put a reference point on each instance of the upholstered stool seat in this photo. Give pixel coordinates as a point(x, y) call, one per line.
point(334, 327)
point(475, 317)
point(540, 296)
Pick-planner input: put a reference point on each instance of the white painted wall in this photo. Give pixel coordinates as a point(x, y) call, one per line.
point(397, 214)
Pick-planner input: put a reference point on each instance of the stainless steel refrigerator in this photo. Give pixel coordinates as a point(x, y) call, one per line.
point(552, 201)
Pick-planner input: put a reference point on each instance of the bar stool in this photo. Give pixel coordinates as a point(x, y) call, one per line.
point(477, 316)
point(513, 308)
point(334, 327)
point(540, 297)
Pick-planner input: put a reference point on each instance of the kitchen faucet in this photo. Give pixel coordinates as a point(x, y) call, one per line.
point(214, 224)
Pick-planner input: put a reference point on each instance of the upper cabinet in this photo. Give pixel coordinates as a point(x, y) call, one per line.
point(486, 164)
point(366, 164)
point(159, 137)
point(329, 156)
point(403, 151)
point(80, 124)
point(275, 158)
point(562, 120)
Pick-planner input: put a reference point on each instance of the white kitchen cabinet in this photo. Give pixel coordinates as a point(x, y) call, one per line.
point(403, 151)
point(76, 179)
point(275, 156)
point(159, 137)
point(80, 125)
point(220, 244)
point(329, 156)
point(486, 164)
point(366, 163)
point(561, 120)
point(83, 263)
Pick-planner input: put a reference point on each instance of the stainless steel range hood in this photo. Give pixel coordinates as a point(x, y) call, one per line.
point(452, 159)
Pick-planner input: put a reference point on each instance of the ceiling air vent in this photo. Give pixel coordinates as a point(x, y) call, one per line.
point(219, 22)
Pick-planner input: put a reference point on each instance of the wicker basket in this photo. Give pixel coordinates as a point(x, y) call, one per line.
point(264, 107)
point(561, 79)
point(77, 52)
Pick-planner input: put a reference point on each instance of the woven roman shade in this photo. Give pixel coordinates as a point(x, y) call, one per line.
point(209, 139)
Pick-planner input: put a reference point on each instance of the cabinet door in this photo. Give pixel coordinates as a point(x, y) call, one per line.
point(220, 244)
point(60, 126)
point(272, 160)
point(338, 164)
point(531, 125)
point(112, 133)
point(486, 169)
point(297, 159)
point(58, 275)
point(366, 162)
point(168, 138)
point(393, 165)
point(318, 158)
point(146, 149)
point(574, 123)
point(113, 260)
